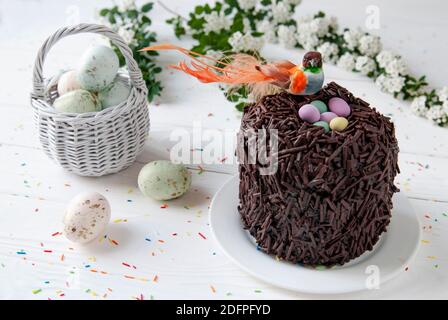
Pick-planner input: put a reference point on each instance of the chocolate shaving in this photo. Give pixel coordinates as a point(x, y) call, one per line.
point(331, 197)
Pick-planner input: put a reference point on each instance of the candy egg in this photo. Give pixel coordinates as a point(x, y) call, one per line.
point(114, 94)
point(164, 180)
point(77, 101)
point(339, 106)
point(309, 113)
point(97, 68)
point(338, 124)
point(322, 124)
point(327, 116)
point(320, 105)
point(68, 82)
point(86, 217)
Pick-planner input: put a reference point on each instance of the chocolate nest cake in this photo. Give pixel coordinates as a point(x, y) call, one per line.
point(330, 198)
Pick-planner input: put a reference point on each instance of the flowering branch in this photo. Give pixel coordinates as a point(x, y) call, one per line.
point(133, 25)
point(245, 25)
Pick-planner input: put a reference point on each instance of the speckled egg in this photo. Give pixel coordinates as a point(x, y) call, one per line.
point(86, 217)
point(68, 82)
point(164, 180)
point(97, 68)
point(78, 101)
point(114, 94)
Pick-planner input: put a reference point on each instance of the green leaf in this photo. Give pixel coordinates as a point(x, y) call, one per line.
point(240, 106)
point(147, 7)
point(104, 12)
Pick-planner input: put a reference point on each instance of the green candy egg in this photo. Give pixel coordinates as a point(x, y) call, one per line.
point(164, 180)
point(320, 105)
point(97, 68)
point(322, 124)
point(114, 94)
point(77, 101)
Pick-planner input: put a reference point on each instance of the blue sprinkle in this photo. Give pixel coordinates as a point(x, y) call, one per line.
point(147, 239)
point(129, 200)
point(21, 252)
point(87, 266)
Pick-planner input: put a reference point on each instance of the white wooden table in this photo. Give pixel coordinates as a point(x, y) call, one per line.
point(162, 253)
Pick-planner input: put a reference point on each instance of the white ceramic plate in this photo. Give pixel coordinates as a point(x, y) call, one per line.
point(390, 256)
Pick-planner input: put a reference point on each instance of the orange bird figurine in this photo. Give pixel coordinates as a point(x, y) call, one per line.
point(240, 68)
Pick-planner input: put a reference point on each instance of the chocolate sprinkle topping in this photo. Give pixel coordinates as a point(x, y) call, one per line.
point(331, 197)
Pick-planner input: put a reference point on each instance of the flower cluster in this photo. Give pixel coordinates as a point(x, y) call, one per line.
point(244, 25)
point(133, 24)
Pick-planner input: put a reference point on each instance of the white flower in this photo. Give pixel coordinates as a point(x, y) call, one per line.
point(268, 30)
point(396, 67)
point(127, 34)
point(418, 106)
point(443, 94)
point(309, 42)
point(124, 5)
point(214, 54)
point(384, 58)
point(287, 36)
point(280, 12)
point(437, 114)
point(333, 23)
point(369, 45)
point(216, 22)
point(329, 51)
point(246, 25)
point(391, 63)
point(245, 42)
point(320, 26)
point(247, 4)
point(347, 61)
point(365, 65)
point(351, 38)
point(388, 84)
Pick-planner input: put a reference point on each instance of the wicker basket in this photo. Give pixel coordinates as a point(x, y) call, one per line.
point(94, 143)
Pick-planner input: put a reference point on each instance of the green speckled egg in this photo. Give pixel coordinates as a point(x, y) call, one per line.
point(77, 101)
point(97, 68)
point(164, 180)
point(114, 94)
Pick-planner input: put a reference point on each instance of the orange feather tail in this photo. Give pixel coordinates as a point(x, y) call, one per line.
point(242, 68)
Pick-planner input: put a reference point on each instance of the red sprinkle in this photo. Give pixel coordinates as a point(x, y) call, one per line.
point(126, 264)
point(56, 234)
point(48, 251)
point(164, 206)
point(202, 236)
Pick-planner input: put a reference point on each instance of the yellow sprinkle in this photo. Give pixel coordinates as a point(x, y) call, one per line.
point(425, 241)
point(432, 257)
point(117, 220)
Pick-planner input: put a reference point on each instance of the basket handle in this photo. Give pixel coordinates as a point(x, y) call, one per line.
point(135, 73)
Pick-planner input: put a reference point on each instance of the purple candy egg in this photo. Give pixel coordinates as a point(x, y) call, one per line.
point(339, 106)
point(327, 116)
point(309, 113)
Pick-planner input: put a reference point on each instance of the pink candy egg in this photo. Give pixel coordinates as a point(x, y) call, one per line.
point(339, 107)
point(328, 116)
point(309, 113)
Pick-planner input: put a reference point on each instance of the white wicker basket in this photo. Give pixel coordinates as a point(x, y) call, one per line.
point(95, 143)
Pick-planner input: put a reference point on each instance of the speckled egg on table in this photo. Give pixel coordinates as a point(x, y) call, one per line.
point(114, 94)
point(77, 101)
point(164, 180)
point(86, 217)
point(97, 68)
